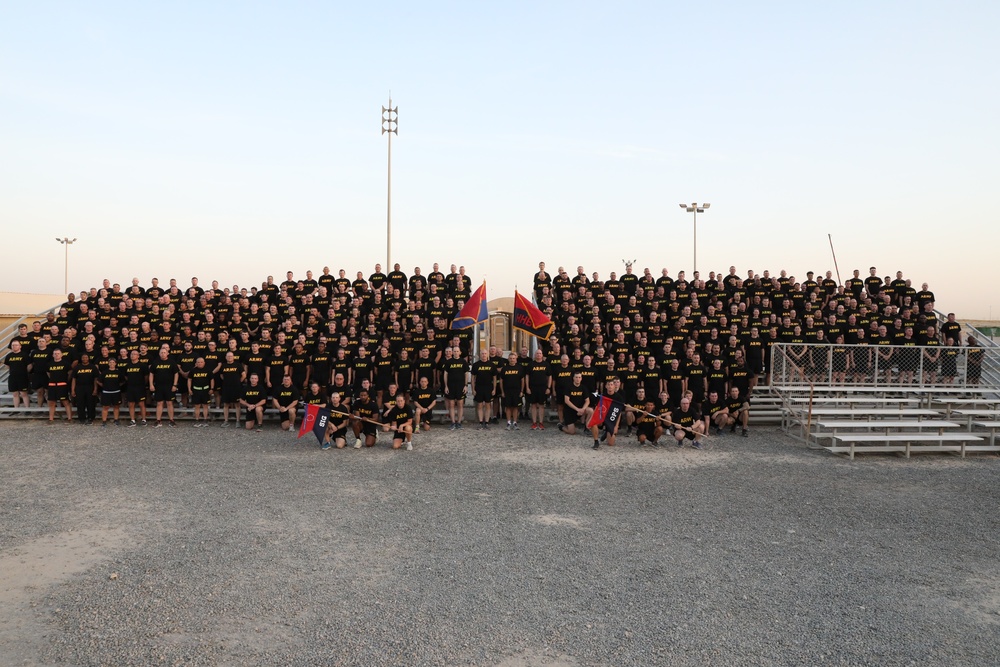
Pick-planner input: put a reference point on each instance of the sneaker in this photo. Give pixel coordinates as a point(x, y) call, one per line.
point(495, 420)
point(516, 427)
point(597, 444)
point(604, 436)
point(680, 443)
point(561, 428)
point(258, 428)
point(131, 423)
point(745, 433)
point(656, 444)
point(458, 425)
point(541, 426)
point(158, 425)
point(116, 423)
point(696, 444)
point(732, 429)
point(409, 446)
point(534, 426)
point(224, 424)
point(172, 424)
point(453, 426)
point(628, 432)
point(142, 422)
point(486, 426)
point(718, 431)
point(357, 444)
point(326, 444)
point(104, 424)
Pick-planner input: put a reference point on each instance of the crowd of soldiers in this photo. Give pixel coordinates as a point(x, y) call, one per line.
point(675, 355)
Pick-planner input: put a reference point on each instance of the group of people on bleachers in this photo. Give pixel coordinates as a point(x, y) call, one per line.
point(674, 350)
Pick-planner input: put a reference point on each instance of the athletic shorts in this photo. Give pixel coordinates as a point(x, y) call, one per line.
point(512, 400)
point(57, 392)
point(135, 394)
point(484, 395)
point(110, 399)
point(647, 429)
point(538, 396)
point(369, 429)
point(231, 394)
point(200, 396)
point(455, 394)
point(18, 383)
point(339, 434)
point(163, 393)
point(688, 434)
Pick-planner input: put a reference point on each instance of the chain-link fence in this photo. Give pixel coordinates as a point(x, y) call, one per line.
point(884, 365)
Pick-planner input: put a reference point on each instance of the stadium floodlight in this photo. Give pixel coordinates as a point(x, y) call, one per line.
point(695, 208)
point(390, 126)
point(66, 243)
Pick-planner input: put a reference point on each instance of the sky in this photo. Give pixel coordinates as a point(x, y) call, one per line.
point(236, 140)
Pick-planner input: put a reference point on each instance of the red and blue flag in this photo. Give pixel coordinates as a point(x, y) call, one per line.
point(473, 312)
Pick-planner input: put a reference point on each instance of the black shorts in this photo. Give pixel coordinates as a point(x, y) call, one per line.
point(538, 396)
point(455, 394)
point(369, 429)
point(512, 400)
point(232, 394)
point(110, 399)
point(15, 383)
point(135, 394)
point(57, 392)
point(163, 393)
point(688, 433)
point(647, 429)
point(39, 382)
point(339, 434)
point(200, 396)
point(484, 394)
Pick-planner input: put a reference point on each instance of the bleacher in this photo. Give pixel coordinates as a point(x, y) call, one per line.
point(878, 413)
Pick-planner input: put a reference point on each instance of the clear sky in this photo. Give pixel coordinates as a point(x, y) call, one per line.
point(232, 140)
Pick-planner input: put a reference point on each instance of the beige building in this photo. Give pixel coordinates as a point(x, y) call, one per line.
point(15, 305)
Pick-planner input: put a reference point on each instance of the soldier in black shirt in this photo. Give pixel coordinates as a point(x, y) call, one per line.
point(83, 388)
point(136, 373)
point(424, 400)
point(688, 423)
point(511, 388)
point(163, 378)
point(111, 381)
point(399, 420)
point(254, 399)
point(58, 385)
point(285, 399)
point(484, 382)
point(199, 382)
point(18, 381)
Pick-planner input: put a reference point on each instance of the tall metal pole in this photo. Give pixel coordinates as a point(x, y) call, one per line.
point(695, 208)
point(390, 125)
point(66, 243)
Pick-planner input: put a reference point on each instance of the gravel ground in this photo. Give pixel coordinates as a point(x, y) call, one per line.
point(221, 547)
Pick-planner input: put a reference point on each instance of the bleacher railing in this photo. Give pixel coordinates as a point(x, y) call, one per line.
point(884, 366)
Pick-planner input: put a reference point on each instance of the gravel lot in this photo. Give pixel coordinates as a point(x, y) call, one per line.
point(221, 547)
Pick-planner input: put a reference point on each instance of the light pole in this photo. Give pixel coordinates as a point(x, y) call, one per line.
point(66, 243)
point(696, 209)
point(390, 126)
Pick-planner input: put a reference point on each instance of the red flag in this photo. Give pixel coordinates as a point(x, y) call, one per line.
point(529, 319)
point(607, 409)
point(314, 420)
point(474, 311)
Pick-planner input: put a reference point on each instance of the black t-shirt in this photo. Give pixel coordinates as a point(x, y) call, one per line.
point(398, 415)
point(287, 395)
point(163, 372)
point(484, 372)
